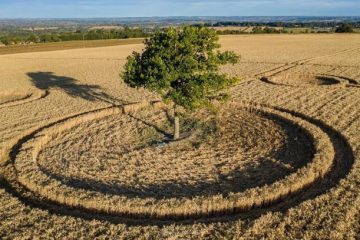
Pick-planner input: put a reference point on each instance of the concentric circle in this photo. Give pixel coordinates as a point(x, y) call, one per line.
point(10, 99)
point(255, 127)
point(125, 155)
point(305, 80)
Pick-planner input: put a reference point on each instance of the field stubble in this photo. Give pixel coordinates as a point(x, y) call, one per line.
point(290, 148)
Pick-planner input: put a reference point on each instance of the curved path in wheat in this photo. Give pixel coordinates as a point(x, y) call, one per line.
point(29, 179)
point(49, 193)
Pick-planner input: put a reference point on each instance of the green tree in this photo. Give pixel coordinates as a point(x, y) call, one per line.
point(182, 66)
point(33, 39)
point(344, 28)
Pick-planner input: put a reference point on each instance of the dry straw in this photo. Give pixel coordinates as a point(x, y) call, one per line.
point(31, 176)
point(27, 97)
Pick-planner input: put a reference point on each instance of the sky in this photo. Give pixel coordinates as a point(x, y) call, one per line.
point(149, 8)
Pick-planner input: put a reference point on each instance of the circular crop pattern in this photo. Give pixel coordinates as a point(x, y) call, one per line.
point(9, 99)
point(123, 155)
point(119, 164)
point(295, 79)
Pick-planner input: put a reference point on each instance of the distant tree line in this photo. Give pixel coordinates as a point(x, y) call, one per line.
point(345, 28)
point(12, 36)
point(254, 30)
point(319, 24)
point(264, 28)
point(28, 37)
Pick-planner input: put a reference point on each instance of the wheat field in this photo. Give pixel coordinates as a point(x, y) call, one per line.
point(83, 156)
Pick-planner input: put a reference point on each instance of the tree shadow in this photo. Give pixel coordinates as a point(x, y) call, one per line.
point(167, 135)
point(237, 180)
point(48, 80)
point(295, 153)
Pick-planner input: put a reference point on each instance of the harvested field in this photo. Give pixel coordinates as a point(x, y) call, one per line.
point(84, 156)
point(43, 47)
point(242, 29)
point(306, 80)
point(7, 97)
point(19, 98)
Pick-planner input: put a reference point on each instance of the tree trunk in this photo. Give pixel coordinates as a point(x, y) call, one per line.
point(176, 125)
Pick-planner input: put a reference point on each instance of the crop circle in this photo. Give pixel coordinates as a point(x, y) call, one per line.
point(10, 99)
point(185, 196)
point(304, 80)
point(122, 155)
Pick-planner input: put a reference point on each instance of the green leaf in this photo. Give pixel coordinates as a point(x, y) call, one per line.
point(182, 66)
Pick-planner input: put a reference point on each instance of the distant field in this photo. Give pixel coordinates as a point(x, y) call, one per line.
point(297, 30)
point(232, 28)
point(106, 27)
point(242, 29)
point(44, 47)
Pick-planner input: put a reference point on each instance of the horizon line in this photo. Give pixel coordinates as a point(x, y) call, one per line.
point(185, 16)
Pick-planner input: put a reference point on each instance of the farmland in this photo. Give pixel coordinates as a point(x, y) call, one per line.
point(43, 47)
point(82, 156)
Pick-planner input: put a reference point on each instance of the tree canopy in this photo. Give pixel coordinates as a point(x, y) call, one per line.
point(182, 65)
point(345, 28)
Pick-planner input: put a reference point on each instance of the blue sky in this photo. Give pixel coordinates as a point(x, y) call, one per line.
point(147, 8)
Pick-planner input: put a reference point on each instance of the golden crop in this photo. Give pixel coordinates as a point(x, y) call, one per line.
point(82, 154)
